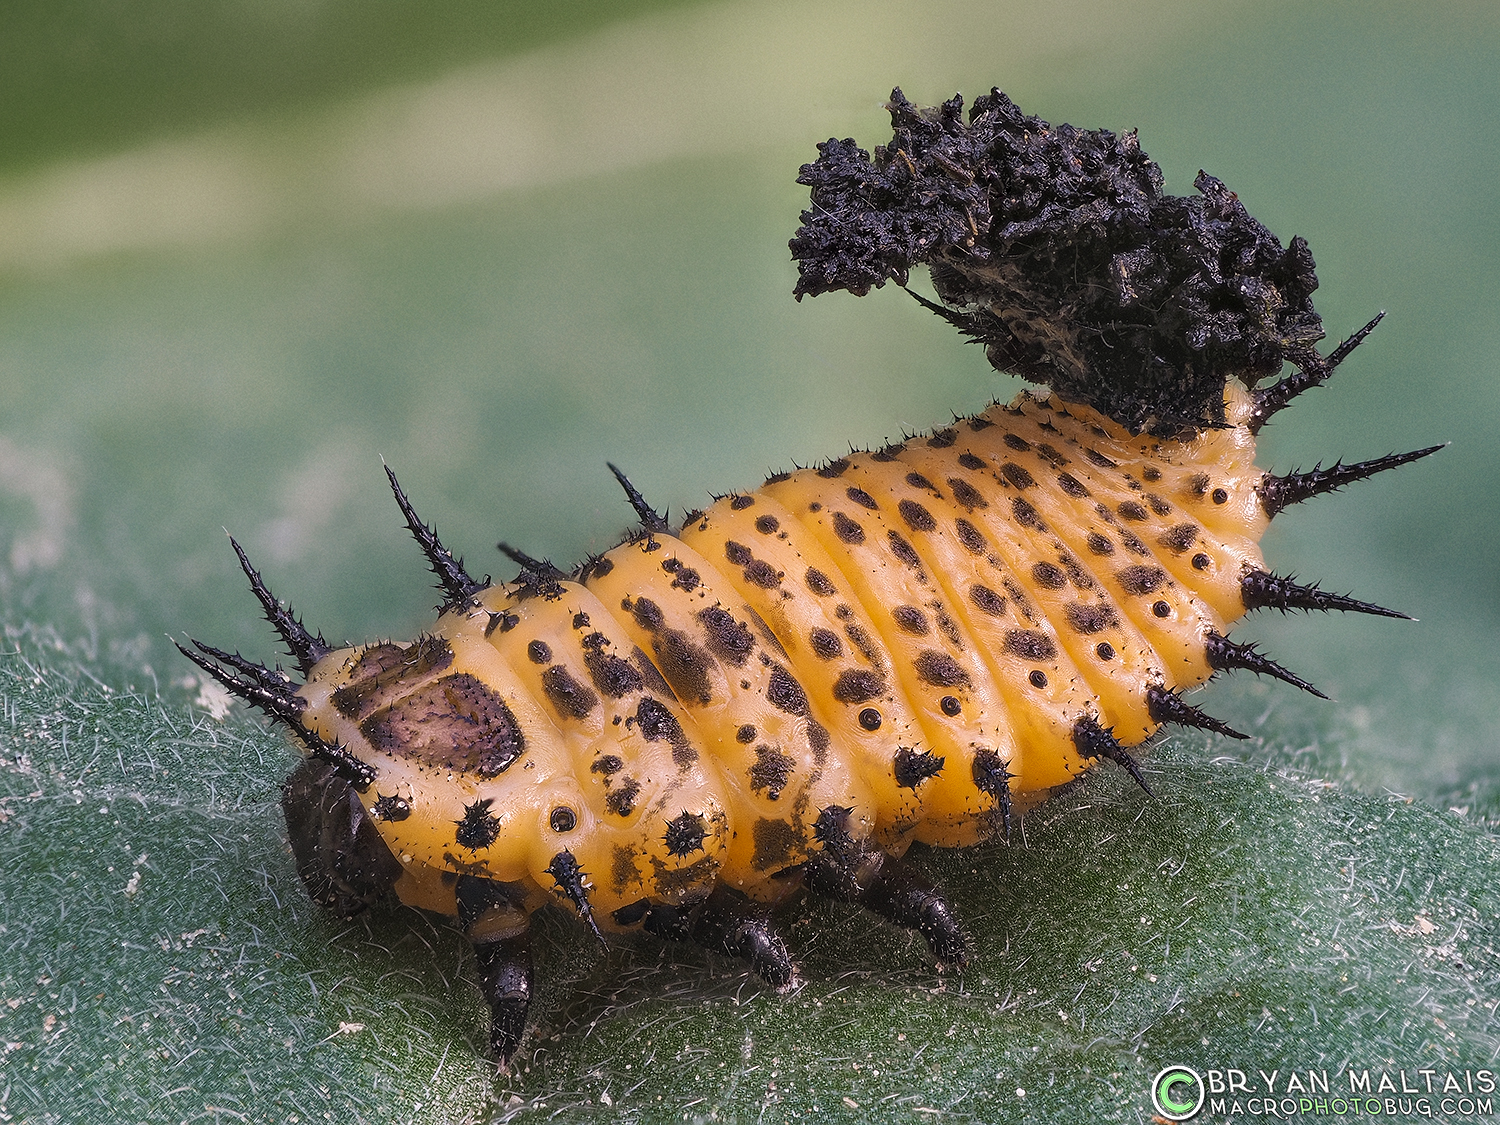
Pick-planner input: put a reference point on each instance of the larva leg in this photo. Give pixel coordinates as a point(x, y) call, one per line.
point(727, 922)
point(340, 856)
point(494, 917)
point(856, 871)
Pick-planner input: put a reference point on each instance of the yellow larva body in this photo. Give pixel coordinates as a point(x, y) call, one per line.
point(977, 591)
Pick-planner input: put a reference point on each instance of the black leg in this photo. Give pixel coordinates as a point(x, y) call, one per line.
point(725, 922)
point(494, 916)
point(854, 870)
point(340, 856)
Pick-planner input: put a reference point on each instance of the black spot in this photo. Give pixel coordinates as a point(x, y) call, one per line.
point(568, 695)
point(917, 517)
point(991, 776)
point(611, 675)
point(835, 468)
point(745, 735)
point(1220, 496)
point(1179, 538)
point(456, 723)
point(858, 685)
point(1098, 459)
point(950, 705)
point(1104, 513)
point(563, 819)
point(580, 621)
point(656, 722)
point(1158, 505)
point(1104, 650)
point(1161, 609)
point(825, 643)
point(818, 583)
point(889, 452)
point(763, 574)
point(966, 494)
point(1201, 561)
point(479, 828)
point(621, 799)
point(1029, 644)
point(1076, 574)
point(647, 614)
point(1088, 619)
point(771, 771)
point(1038, 678)
point(847, 530)
point(1049, 576)
point(903, 550)
point(1141, 579)
point(730, 640)
point(939, 669)
point(912, 767)
point(1133, 543)
point(1198, 484)
point(969, 461)
point(817, 741)
point(1099, 544)
point(685, 665)
point(862, 498)
point(767, 525)
point(684, 834)
point(942, 439)
point(737, 553)
point(979, 422)
point(1017, 475)
point(970, 536)
point(393, 808)
point(775, 841)
point(687, 578)
point(917, 480)
point(740, 503)
point(987, 600)
point(601, 567)
point(1017, 442)
point(948, 627)
point(869, 718)
point(607, 764)
point(785, 693)
point(1051, 456)
point(1130, 510)
point(1151, 474)
point(1026, 515)
point(911, 620)
point(1072, 486)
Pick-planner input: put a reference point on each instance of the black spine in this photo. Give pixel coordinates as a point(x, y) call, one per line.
point(1093, 741)
point(539, 568)
point(1277, 493)
point(1263, 590)
point(1313, 372)
point(306, 647)
point(1166, 706)
point(568, 876)
point(1225, 655)
point(652, 522)
point(452, 579)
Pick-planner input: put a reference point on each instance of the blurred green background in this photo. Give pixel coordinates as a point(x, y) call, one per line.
point(248, 249)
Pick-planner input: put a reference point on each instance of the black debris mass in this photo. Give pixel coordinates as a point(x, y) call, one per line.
point(1055, 247)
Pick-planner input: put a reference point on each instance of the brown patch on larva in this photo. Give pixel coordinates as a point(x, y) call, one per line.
point(825, 643)
point(1051, 456)
point(966, 494)
point(767, 524)
point(889, 452)
point(1049, 576)
point(785, 693)
point(647, 614)
point(656, 722)
point(685, 665)
point(858, 685)
point(612, 676)
point(912, 767)
point(1151, 474)
point(862, 641)
point(1017, 442)
point(650, 674)
point(818, 583)
point(1179, 538)
point(775, 843)
point(1130, 510)
point(970, 536)
point(457, 723)
point(1197, 485)
point(1141, 579)
point(687, 579)
point(817, 741)
point(740, 503)
point(847, 530)
point(728, 639)
point(910, 619)
point(1158, 505)
point(1026, 515)
point(570, 697)
point(392, 674)
point(916, 516)
point(1072, 486)
point(607, 764)
point(903, 550)
point(1030, 644)
point(621, 798)
point(1133, 543)
point(539, 652)
point(942, 439)
point(1018, 595)
point(835, 468)
point(1017, 476)
point(969, 461)
point(763, 574)
point(917, 480)
point(771, 771)
point(939, 669)
point(1099, 544)
point(622, 869)
point(947, 626)
point(987, 600)
point(862, 498)
point(1090, 618)
point(1098, 459)
point(737, 553)
point(1076, 574)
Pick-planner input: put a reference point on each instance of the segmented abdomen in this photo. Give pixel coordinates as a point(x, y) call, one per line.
point(929, 635)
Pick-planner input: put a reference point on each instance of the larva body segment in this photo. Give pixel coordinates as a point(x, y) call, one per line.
point(910, 644)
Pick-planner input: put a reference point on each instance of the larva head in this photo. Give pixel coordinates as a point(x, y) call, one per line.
point(1057, 248)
